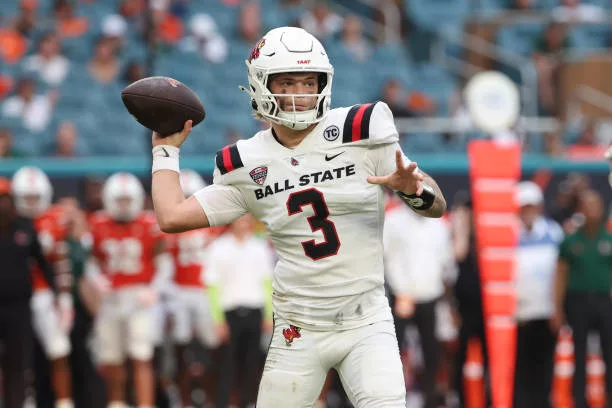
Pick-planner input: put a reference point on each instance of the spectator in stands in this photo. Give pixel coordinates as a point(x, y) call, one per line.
point(6, 83)
point(523, 5)
point(583, 288)
point(587, 135)
point(249, 22)
point(205, 39)
point(67, 25)
point(392, 95)
point(26, 20)
point(321, 21)
point(114, 28)
point(66, 140)
point(6, 145)
point(168, 27)
point(573, 11)
point(405, 104)
point(553, 143)
point(134, 71)
point(547, 59)
point(34, 109)
point(415, 294)
point(48, 63)
point(353, 39)
point(537, 260)
point(13, 45)
point(104, 65)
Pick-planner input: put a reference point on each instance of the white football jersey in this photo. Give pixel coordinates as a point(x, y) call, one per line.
point(324, 219)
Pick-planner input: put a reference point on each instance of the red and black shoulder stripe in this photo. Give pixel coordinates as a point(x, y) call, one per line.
point(357, 123)
point(228, 159)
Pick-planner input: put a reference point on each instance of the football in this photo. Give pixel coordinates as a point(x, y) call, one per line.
point(162, 104)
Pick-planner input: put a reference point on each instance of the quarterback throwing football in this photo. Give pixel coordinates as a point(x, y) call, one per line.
point(314, 179)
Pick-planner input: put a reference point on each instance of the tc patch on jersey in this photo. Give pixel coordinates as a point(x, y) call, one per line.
point(259, 174)
point(331, 133)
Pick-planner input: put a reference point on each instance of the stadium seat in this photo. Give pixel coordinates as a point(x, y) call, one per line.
point(492, 7)
point(428, 14)
point(422, 143)
point(437, 83)
point(520, 38)
point(589, 37)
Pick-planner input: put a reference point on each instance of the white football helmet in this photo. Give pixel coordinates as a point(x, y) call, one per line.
point(288, 49)
point(32, 191)
point(123, 186)
point(191, 182)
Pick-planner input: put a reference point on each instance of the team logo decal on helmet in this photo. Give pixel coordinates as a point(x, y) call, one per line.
point(259, 174)
point(256, 50)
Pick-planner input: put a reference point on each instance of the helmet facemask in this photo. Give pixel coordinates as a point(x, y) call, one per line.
point(268, 108)
point(288, 50)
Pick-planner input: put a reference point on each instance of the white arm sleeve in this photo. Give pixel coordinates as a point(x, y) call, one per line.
point(222, 204)
point(383, 158)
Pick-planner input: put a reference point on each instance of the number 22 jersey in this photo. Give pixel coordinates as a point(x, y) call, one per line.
point(324, 219)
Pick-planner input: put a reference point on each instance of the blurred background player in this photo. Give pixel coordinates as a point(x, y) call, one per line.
point(52, 318)
point(538, 249)
point(239, 275)
point(415, 270)
point(130, 264)
point(19, 246)
point(87, 385)
point(189, 305)
point(583, 290)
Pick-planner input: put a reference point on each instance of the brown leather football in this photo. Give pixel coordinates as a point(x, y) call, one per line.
point(162, 104)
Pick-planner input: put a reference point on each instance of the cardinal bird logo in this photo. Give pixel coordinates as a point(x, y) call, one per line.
point(255, 52)
point(293, 332)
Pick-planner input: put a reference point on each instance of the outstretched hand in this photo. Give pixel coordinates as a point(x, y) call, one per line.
point(407, 179)
point(175, 139)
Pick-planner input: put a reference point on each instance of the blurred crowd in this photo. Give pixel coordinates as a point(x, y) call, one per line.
point(52, 49)
point(118, 314)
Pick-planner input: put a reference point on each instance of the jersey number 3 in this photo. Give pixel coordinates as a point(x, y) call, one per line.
point(318, 222)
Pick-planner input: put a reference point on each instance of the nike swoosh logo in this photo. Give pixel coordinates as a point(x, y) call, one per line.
point(328, 158)
point(166, 154)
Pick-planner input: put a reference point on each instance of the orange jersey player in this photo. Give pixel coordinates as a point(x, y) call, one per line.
point(33, 193)
point(188, 301)
point(128, 264)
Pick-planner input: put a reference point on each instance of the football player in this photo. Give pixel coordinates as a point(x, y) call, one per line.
point(52, 317)
point(314, 178)
point(129, 264)
point(189, 304)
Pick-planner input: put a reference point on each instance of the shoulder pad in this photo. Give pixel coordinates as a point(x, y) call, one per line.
point(357, 123)
point(228, 159)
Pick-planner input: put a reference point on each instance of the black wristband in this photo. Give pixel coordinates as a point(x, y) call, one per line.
point(422, 202)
